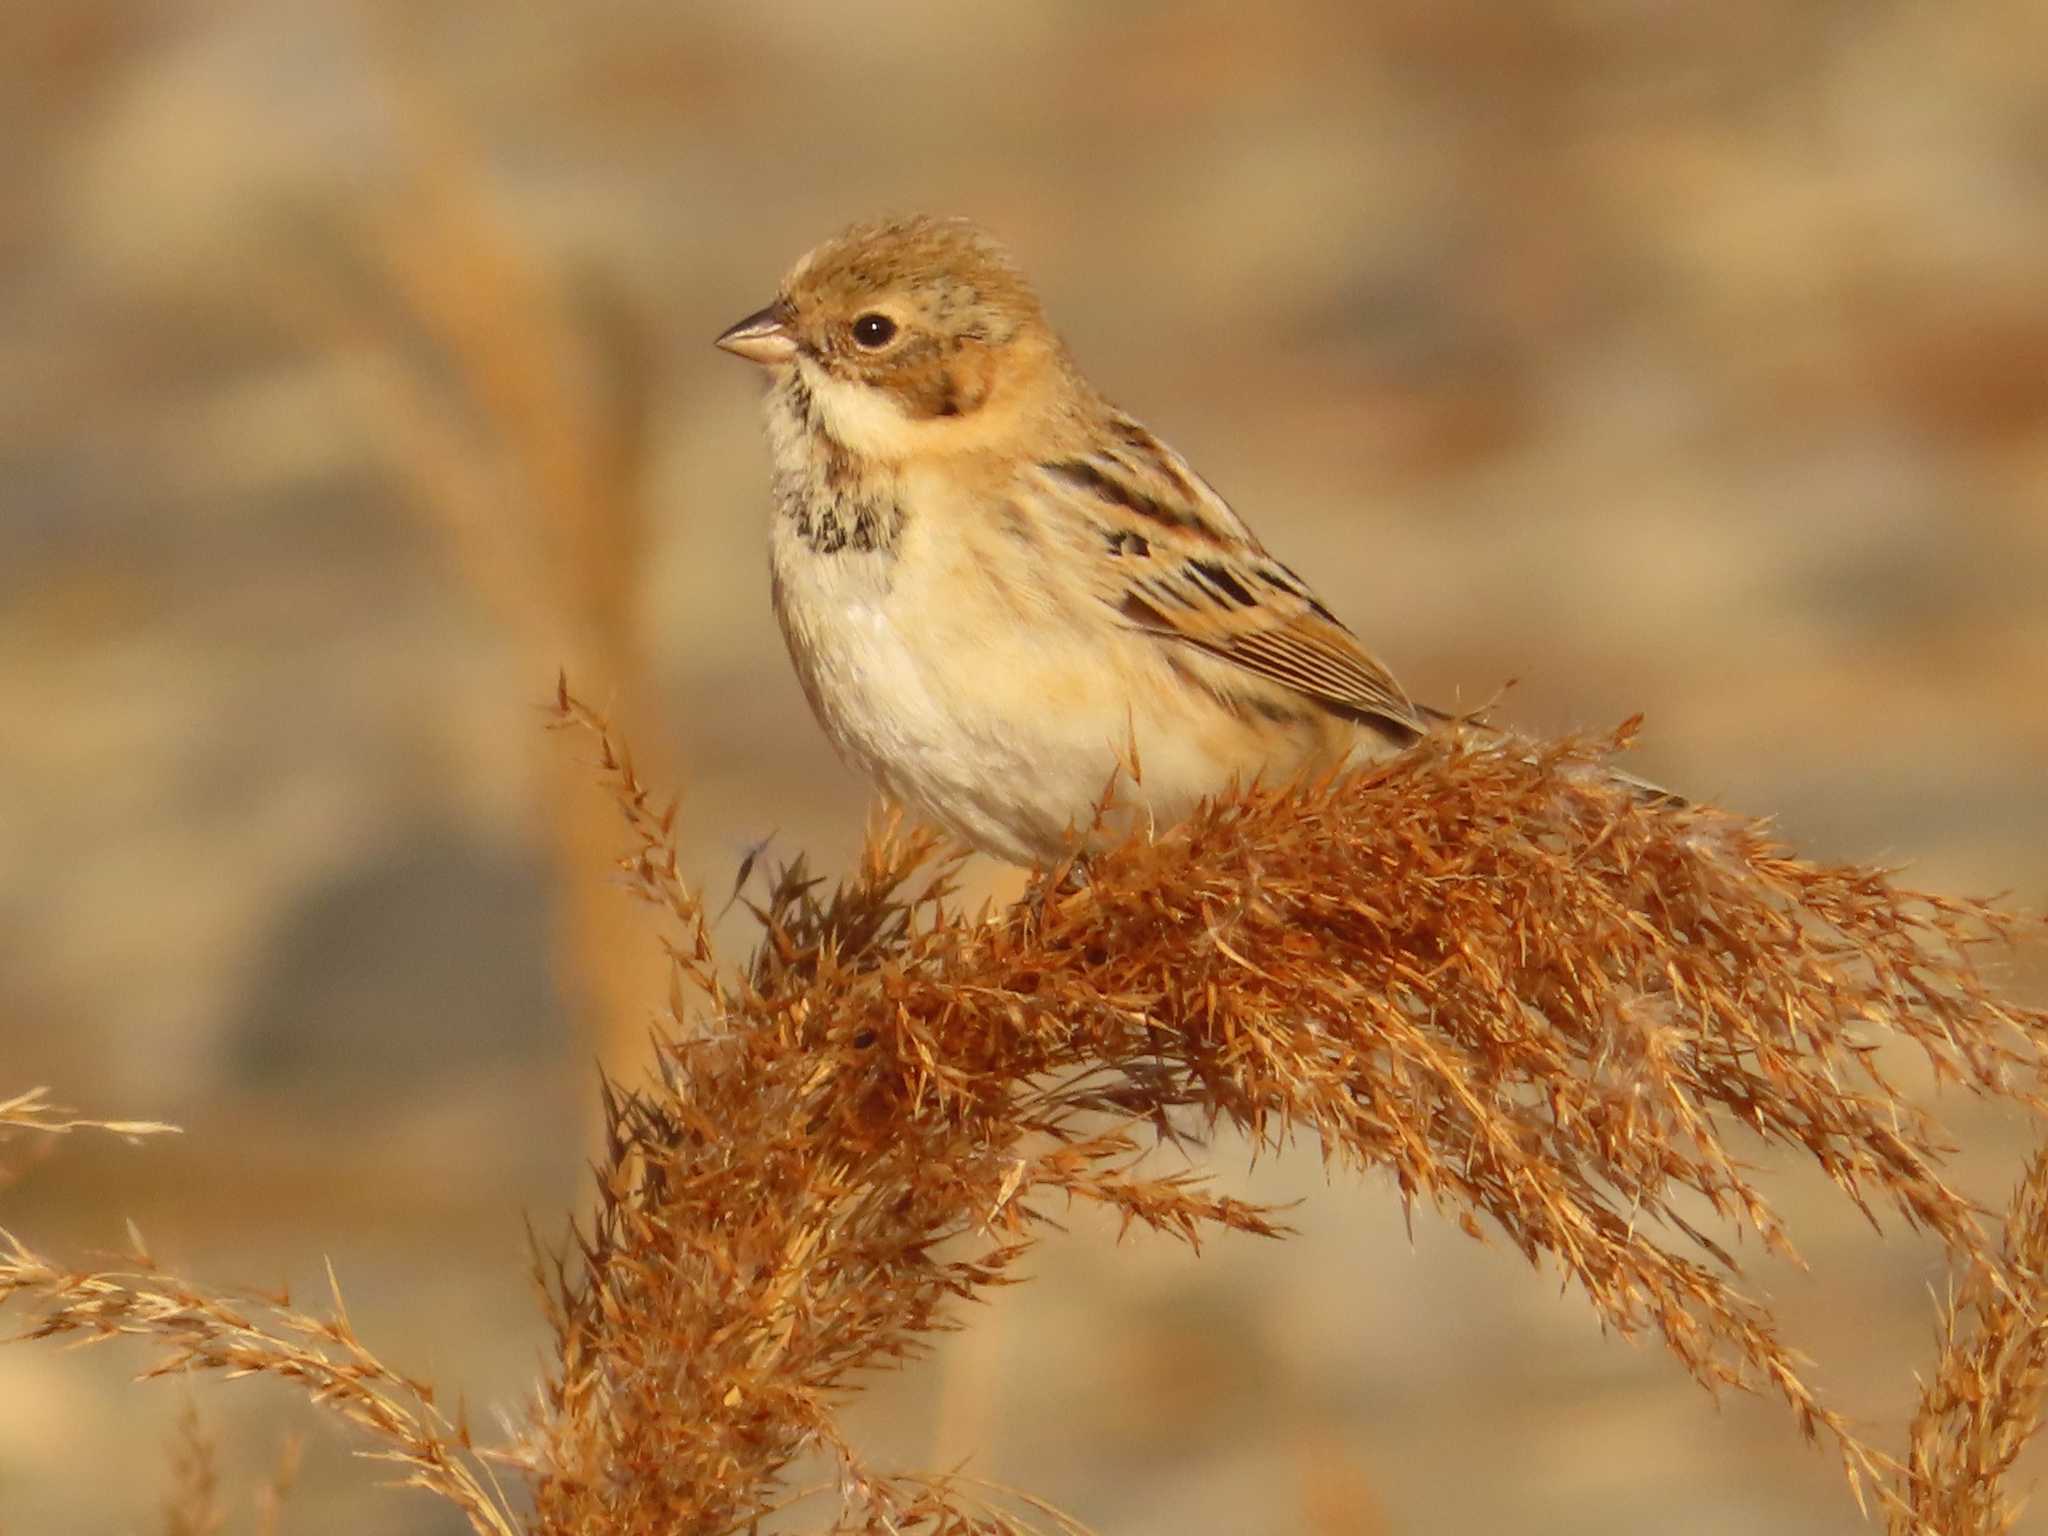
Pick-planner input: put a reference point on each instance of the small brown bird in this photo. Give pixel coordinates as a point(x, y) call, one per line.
point(995, 584)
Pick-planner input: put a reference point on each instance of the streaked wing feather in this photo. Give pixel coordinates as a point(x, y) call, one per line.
point(1175, 561)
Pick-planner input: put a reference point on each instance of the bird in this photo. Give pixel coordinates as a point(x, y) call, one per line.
point(1001, 593)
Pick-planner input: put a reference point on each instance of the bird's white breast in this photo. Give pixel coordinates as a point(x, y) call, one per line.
point(951, 704)
point(976, 687)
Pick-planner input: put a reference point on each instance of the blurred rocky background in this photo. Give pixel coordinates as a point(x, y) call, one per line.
point(1686, 359)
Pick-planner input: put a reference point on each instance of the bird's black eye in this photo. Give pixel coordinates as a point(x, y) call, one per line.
point(873, 330)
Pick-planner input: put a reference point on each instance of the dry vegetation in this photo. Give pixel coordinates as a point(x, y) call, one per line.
point(1556, 1011)
point(30, 1121)
point(196, 1506)
point(510, 407)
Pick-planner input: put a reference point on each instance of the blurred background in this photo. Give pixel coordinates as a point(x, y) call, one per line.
point(1682, 359)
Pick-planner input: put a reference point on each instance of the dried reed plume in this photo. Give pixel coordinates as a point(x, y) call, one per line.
point(1984, 1399)
point(196, 1330)
point(29, 1122)
point(34, 1112)
point(1544, 1005)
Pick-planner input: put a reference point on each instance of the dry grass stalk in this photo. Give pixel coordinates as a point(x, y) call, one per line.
point(1544, 1006)
point(510, 406)
point(271, 1497)
point(33, 1111)
point(197, 1330)
point(30, 1121)
point(194, 1508)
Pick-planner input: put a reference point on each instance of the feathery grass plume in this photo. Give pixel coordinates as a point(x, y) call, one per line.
point(1983, 1402)
point(195, 1330)
point(33, 1111)
point(31, 1118)
point(1541, 1002)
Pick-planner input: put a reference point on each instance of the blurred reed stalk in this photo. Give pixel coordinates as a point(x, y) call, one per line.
point(1539, 1004)
point(196, 1505)
point(512, 407)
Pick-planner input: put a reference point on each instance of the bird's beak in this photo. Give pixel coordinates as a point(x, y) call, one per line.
point(763, 337)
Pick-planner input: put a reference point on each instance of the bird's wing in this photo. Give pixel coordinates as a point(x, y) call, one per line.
point(1171, 558)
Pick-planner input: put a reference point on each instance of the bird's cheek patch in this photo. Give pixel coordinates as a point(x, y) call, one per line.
point(970, 379)
point(953, 388)
point(966, 389)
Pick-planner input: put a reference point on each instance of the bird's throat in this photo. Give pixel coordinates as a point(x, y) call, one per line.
point(835, 499)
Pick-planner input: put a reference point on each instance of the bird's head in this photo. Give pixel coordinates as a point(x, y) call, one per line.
point(910, 335)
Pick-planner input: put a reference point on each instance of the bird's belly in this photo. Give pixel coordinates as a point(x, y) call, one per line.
point(1005, 727)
